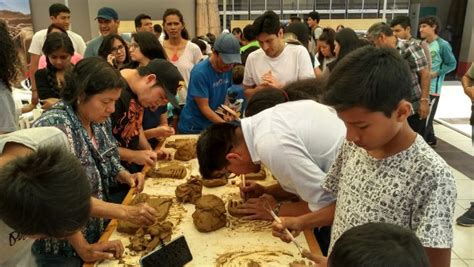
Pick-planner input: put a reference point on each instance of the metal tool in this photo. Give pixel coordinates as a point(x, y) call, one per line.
point(267, 207)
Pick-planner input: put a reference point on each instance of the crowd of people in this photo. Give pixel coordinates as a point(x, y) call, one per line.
point(344, 123)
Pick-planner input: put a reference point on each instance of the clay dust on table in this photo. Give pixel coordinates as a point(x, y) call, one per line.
point(254, 258)
point(252, 226)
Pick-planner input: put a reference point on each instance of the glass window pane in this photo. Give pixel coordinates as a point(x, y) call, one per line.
point(338, 4)
point(354, 8)
point(290, 5)
point(306, 5)
point(240, 5)
point(273, 5)
point(322, 5)
point(371, 4)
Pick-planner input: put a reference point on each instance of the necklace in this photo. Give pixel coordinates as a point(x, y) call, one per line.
point(175, 50)
point(175, 57)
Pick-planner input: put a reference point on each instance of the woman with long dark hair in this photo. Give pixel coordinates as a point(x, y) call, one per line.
point(58, 50)
point(182, 53)
point(8, 71)
point(144, 48)
point(114, 49)
point(346, 41)
point(326, 53)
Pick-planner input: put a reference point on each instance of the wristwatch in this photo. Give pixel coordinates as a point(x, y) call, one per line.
point(276, 210)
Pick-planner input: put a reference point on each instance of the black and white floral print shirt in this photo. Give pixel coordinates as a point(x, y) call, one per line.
point(414, 189)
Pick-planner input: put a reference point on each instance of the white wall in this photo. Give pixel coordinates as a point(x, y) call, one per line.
point(442, 8)
point(467, 46)
point(127, 10)
point(83, 12)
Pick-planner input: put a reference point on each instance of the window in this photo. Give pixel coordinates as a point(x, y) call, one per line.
point(335, 9)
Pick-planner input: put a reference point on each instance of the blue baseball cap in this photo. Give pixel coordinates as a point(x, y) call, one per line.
point(107, 13)
point(229, 48)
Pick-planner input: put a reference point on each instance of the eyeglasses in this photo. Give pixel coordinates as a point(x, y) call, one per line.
point(116, 49)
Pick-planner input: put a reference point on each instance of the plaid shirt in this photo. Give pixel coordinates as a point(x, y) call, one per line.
point(413, 53)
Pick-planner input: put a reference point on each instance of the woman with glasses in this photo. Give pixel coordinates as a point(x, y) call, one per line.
point(83, 114)
point(114, 49)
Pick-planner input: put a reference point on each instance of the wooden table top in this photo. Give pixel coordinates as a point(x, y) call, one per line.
point(197, 240)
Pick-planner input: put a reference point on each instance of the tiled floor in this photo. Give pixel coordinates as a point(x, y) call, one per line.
point(463, 251)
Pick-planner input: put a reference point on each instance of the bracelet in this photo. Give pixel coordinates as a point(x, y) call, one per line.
point(276, 210)
point(425, 99)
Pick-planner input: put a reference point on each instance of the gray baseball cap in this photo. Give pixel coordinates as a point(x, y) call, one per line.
point(229, 48)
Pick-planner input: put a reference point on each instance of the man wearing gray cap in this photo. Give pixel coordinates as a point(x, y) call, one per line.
point(208, 85)
point(109, 22)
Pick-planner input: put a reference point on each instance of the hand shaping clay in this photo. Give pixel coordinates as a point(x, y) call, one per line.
point(210, 214)
point(232, 206)
point(261, 175)
point(161, 205)
point(173, 170)
point(190, 191)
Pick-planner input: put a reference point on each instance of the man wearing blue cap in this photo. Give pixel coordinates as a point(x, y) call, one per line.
point(208, 85)
point(109, 23)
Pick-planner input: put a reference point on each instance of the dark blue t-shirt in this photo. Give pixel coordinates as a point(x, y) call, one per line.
point(204, 82)
point(151, 119)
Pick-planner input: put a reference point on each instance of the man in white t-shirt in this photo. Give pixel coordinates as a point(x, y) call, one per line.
point(275, 63)
point(42, 186)
point(61, 16)
point(297, 141)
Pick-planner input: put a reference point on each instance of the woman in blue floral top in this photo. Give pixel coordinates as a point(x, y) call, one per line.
point(83, 115)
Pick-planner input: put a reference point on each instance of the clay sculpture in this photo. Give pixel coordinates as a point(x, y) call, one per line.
point(180, 142)
point(261, 175)
point(214, 182)
point(190, 191)
point(185, 148)
point(148, 238)
point(186, 152)
point(210, 214)
point(139, 198)
point(172, 170)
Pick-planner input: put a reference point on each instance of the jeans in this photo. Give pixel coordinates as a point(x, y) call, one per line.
point(429, 134)
point(419, 126)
